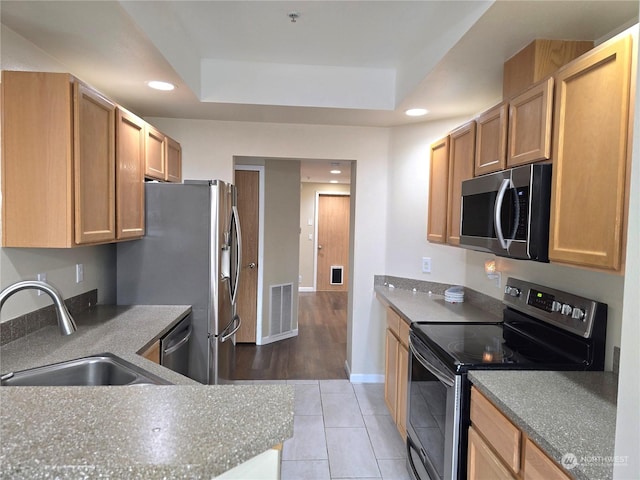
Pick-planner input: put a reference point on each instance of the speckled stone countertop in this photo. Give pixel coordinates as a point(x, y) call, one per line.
point(563, 412)
point(422, 307)
point(185, 430)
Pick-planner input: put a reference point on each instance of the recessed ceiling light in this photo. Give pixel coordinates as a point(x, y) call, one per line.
point(336, 172)
point(416, 112)
point(333, 181)
point(158, 85)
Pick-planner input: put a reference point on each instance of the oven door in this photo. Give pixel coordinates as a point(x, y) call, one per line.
point(434, 416)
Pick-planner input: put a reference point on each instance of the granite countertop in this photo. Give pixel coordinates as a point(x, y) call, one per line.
point(563, 412)
point(185, 430)
point(417, 306)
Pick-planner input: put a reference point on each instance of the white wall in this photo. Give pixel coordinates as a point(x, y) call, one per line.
point(208, 149)
point(59, 264)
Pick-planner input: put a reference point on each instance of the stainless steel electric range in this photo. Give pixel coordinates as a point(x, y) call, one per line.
point(542, 329)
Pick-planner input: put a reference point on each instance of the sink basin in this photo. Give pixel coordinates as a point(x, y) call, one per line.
point(102, 369)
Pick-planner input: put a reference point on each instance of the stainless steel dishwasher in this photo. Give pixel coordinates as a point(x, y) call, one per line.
point(174, 347)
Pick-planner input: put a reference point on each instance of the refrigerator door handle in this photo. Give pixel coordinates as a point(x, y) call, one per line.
point(236, 281)
point(234, 326)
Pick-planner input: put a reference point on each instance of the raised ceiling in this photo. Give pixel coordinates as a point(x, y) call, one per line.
point(341, 62)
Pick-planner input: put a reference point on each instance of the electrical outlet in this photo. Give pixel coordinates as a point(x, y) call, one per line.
point(426, 264)
point(42, 277)
point(79, 273)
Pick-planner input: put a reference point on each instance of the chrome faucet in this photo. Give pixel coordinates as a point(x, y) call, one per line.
point(65, 320)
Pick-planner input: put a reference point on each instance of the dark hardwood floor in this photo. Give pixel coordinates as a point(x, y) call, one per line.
point(318, 352)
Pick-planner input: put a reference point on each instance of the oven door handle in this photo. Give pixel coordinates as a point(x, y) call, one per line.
point(444, 377)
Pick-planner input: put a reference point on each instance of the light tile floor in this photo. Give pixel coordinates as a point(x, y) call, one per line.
point(342, 430)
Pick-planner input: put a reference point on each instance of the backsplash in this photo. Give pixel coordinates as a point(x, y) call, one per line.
point(43, 317)
point(475, 298)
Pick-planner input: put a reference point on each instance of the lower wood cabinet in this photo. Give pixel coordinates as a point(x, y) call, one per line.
point(397, 369)
point(498, 449)
point(152, 352)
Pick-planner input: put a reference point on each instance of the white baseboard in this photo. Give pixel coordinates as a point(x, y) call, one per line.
point(280, 336)
point(362, 377)
point(306, 289)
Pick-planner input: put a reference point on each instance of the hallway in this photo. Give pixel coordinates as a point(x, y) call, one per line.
point(318, 352)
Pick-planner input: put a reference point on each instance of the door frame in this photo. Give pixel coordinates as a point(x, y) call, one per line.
point(259, 299)
point(315, 234)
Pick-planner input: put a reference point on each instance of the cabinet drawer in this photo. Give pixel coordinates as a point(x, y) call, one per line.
point(393, 322)
point(504, 436)
point(403, 333)
point(538, 465)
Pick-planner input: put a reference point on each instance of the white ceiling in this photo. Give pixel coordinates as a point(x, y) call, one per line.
point(341, 63)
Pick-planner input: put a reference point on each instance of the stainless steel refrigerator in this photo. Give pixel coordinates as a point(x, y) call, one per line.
point(190, 255)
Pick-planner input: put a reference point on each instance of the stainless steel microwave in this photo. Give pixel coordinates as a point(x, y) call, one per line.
point(507, 212)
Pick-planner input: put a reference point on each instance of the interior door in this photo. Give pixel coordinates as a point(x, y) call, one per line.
point(333, 242)
point(248, 188)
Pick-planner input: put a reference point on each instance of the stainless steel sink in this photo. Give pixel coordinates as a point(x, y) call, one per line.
point(102, 369)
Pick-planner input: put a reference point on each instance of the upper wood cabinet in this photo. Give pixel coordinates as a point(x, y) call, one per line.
point(462, 142)
point(491, 140)
point(438, 185)
point(591, 157)
point(58, 154)
point(163, 156)
point(530, 124)
point(173, 154)
point(155, 160)
point(130, 155)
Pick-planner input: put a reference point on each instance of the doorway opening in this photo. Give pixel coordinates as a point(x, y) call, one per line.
point(315, 347)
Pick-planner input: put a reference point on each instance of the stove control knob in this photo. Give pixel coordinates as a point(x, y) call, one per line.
point(566, 309)
point(513, 291)
point(578, 314)
point(556, 306)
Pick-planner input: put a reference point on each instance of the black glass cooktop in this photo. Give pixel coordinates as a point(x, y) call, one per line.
point(479, 345)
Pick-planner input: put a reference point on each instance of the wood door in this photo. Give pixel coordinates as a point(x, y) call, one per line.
point(403, 387)
point(438, 184)
point(130, 142)
point(94, 166)
point(591, 157)
point(491, 140)
point(462, 144)
point(173, 156)
point(155, 164)
point(530, 125)
point(482, 463)
point(333, 243)
point(248, 187)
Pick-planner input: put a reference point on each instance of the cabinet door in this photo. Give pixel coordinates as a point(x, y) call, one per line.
point(462, 143)
point(591, 157)
point(391, 373)
point(438, 184)
point(530, 125)
point(173, 155)
point(491, 140)
point(155, 164)
point(403, 381)
point(130, 143)
point(37, 160)
point(482, 463)
point(94, 166)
